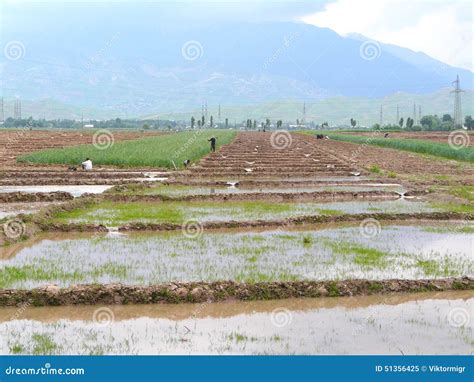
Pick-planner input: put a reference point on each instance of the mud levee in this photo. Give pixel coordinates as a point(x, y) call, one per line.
point(194, 292)
point(252, 196)
point(47, 226)
point(19, 197)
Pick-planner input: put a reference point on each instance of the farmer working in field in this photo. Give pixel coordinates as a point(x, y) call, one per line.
point(87, 165)
point(213, 143)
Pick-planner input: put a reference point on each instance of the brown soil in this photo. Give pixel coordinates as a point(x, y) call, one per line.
point(15, 197)
point(264, 196)
point(435, 136)
point(400, 162)
point(220, 291)
point(259, 152)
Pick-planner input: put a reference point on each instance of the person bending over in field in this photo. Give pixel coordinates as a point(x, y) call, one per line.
point(87, 165)
point(213, 143)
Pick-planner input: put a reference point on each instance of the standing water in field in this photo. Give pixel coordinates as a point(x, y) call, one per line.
point(364, 325)
point(405, 252)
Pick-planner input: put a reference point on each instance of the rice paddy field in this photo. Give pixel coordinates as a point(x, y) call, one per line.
point(273, 244)
point(268, 256)
point(120, 213)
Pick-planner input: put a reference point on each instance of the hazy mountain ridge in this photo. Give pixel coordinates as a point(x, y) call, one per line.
point(134, 67)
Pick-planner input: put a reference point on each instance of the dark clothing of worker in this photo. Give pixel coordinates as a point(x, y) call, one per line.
point(213, 143)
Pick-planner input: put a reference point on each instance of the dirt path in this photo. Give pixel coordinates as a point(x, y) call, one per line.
point(194, 292)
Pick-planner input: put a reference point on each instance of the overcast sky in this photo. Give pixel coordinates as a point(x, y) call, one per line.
point(443, 29)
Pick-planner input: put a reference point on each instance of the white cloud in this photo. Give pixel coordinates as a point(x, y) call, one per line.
point(441, 29)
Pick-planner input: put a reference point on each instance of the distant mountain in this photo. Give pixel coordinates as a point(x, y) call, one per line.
point(127, 66)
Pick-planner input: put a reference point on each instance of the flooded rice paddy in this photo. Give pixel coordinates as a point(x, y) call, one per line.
point(118, 213)
point(12, 209)
point(74, 190)
point(424, 323)
point(175, 191)
point(342, 252)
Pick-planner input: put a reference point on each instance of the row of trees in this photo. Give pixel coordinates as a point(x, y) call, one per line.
point(427, 122)
point(116, 123)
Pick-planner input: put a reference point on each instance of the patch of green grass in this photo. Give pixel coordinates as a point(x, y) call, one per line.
point(375, 287)
point(116, 213)
point(430, 267)
point(420, 146)
point(454, 207)
point(364, 256)
point(328, 211)
point(333, 290)
point(374, 169)
point(16, 349)
point(464, 192)
point(43, 344)
point(392, 174)
point(160, 151)
point(455, 229)
point(237, 337)
point(11, 275)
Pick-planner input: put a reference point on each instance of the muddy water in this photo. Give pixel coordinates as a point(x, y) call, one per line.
point(428, 323)
point(334, 187)
point(76, 190)
point(11, 209)
point(393, 251)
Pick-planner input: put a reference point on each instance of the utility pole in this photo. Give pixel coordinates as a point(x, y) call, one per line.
point(398, 115)
point(457, 117)
point(17, 109)
point(2, 116)
point(205, 110)
point(219, 113)
point(381, 116)
point(414, 113)
point(304, 114)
